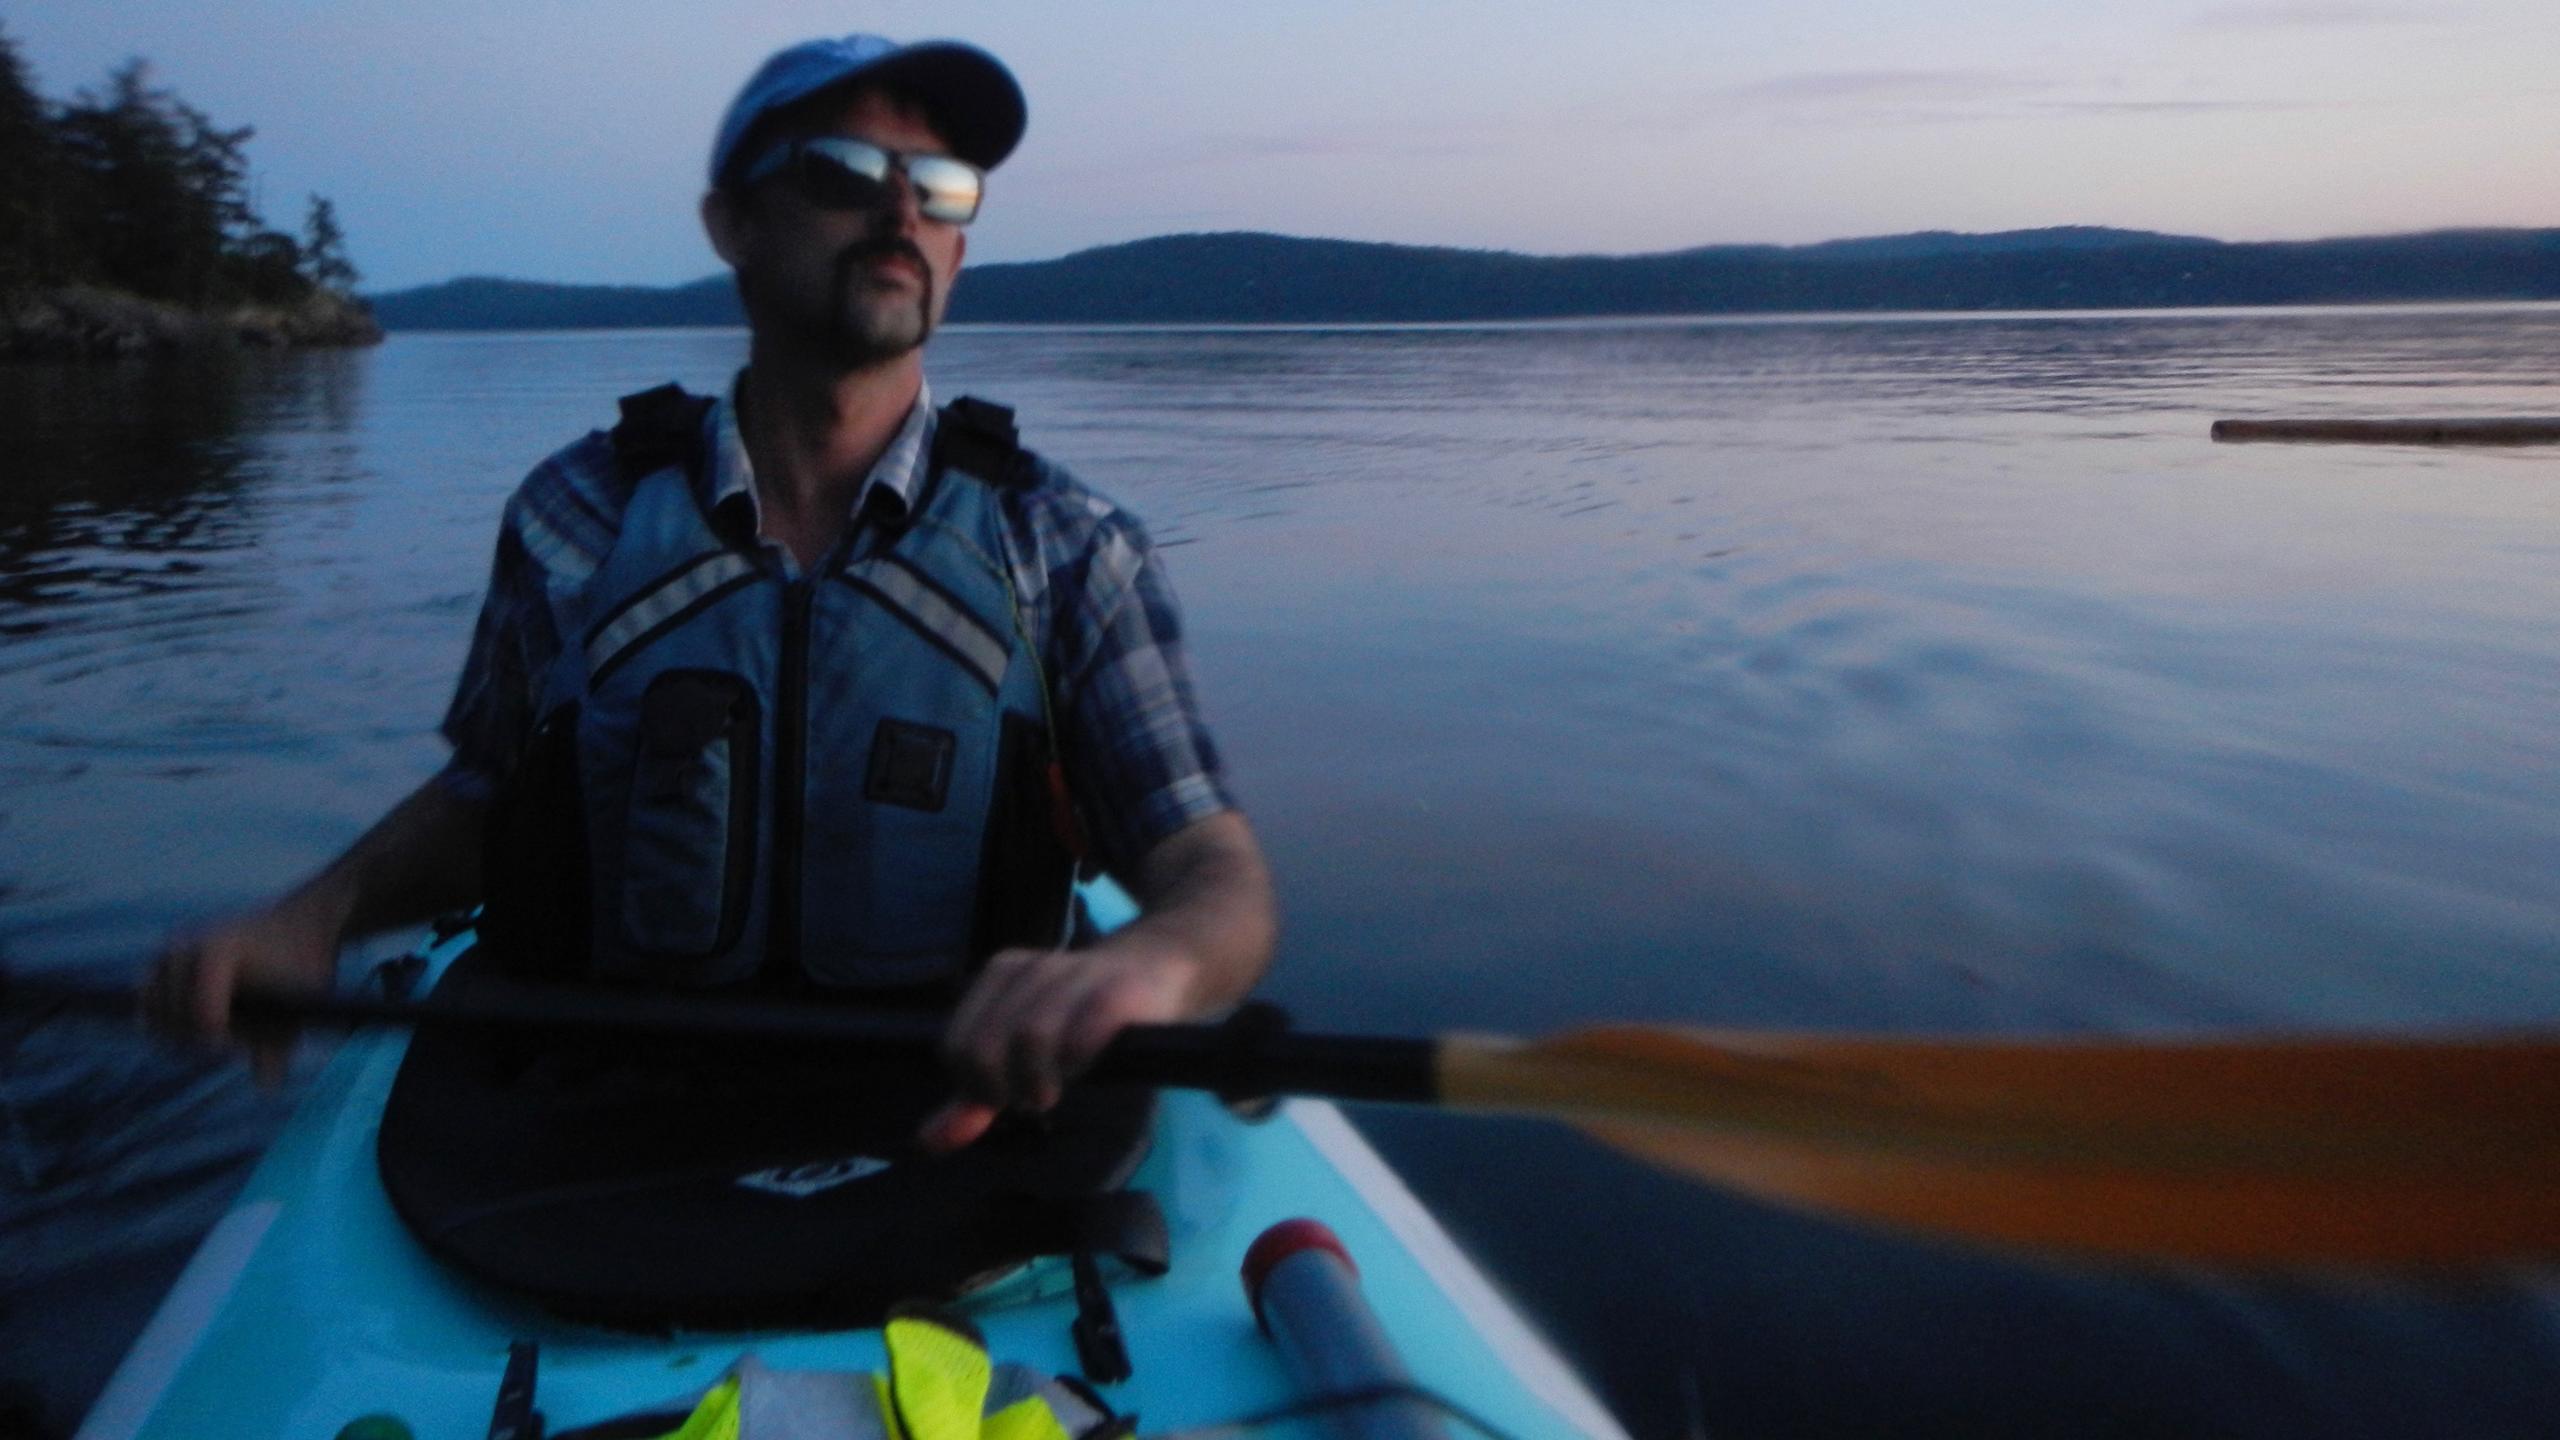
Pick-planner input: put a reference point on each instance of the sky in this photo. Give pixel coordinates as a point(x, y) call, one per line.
point(565, 139)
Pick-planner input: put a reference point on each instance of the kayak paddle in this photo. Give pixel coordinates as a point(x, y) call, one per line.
point(2338, 1149)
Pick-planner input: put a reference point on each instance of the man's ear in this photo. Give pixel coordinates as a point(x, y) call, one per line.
point(723, 222)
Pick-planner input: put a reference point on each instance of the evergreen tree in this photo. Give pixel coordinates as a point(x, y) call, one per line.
point(324, 249)
point(162, 187)
point(30, 179)
point(267, 266)
point(134, 189)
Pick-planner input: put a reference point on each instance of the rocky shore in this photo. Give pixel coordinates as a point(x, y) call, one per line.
point(82, 323)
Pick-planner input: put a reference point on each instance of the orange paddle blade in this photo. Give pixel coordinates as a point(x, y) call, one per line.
point(2315, 1150)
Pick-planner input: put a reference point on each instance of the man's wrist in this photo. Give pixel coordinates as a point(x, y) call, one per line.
point(1174, 970)
point(325, 906)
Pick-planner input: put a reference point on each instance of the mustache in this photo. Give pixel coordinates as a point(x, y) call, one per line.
point(881, 247)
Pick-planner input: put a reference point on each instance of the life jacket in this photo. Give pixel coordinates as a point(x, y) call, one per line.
point(940, 1385)
point(845, 779)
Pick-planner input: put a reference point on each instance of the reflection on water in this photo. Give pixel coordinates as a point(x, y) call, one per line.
point(113, 486)
point(1906, 672)
point(124, 479)
point(131, 523)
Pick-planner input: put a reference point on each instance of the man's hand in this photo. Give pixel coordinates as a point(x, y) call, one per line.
point(1034, 1018)
point(292, 946)
point(421, 859)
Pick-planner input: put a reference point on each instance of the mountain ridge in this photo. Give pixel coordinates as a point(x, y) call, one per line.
point(1259, 277)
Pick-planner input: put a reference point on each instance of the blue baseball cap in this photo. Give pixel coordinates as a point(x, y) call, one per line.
point(969, 95)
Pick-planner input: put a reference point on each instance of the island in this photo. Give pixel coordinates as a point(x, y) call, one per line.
point(125, 227)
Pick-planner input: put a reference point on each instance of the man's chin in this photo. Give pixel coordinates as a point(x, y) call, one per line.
point(858, 336)
point(859, 345)
point(877, 327)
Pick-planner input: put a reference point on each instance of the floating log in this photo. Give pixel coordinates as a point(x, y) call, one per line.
point(2498, 430)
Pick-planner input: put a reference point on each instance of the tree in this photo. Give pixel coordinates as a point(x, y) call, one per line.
point(135, 189)
point(30, 179)
point(268, 267)
point(164, 187)
point(324, 249)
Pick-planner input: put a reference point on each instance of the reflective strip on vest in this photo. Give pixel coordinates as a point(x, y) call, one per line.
point(699, 581)
point(934, 614)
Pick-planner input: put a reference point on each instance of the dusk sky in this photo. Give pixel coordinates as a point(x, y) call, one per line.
point(565, 141)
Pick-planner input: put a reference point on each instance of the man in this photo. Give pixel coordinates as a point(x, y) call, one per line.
point(841, 181)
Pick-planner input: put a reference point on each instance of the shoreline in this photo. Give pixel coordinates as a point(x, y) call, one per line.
point(1596, 320)
point(81, 322)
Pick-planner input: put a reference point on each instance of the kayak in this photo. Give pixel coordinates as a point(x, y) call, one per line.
point(311, 1306)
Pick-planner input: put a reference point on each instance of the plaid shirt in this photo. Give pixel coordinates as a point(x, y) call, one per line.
point(1093, 593)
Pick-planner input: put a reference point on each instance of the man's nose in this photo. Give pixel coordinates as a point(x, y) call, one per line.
point(904, 204)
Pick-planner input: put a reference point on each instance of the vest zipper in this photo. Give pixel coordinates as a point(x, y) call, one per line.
point(790, 786)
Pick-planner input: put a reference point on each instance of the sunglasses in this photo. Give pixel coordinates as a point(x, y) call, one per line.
point(836, 173)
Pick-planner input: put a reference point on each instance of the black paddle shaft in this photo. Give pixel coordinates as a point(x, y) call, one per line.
point(1252, 1056)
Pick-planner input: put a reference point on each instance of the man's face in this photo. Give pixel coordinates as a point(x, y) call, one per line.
point(850, 287)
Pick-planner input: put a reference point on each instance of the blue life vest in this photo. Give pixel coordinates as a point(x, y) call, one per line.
point(827, 777)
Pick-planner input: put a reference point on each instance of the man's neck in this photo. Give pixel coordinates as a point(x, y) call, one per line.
point(813, 438)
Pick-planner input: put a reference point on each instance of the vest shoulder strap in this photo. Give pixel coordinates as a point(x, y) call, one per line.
point(663, 427)
point(659, 428)
point(977, 438)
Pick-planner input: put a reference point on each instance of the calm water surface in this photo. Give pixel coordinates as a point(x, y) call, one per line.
point(1910, 672)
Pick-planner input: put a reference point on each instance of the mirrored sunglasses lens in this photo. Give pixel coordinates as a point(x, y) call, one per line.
point(845, 176)
point(947, 190)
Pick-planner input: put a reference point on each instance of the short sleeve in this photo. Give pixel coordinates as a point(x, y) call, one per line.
point(492, 713)
point(558, 524)
point(1136, 749)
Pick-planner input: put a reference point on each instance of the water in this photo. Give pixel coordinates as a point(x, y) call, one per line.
point(1901, 672)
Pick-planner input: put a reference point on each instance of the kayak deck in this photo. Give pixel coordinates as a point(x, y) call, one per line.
point(312, 1305)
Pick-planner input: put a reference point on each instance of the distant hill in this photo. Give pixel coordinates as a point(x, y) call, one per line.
point(2002, 242)
point(480, 303)
point(1250, 278)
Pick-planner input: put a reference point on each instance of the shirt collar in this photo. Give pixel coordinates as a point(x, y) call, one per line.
point(895, 479)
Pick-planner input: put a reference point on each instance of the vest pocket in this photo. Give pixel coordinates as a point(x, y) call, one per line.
point(689, 844)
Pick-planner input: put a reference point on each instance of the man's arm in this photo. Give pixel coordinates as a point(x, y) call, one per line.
point(1034, 1018)
point(416, 862)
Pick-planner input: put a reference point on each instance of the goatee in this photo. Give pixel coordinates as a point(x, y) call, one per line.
point(860, 331)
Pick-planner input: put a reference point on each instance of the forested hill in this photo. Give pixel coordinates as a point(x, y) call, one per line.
point(126, 224)
point(1280, 279)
